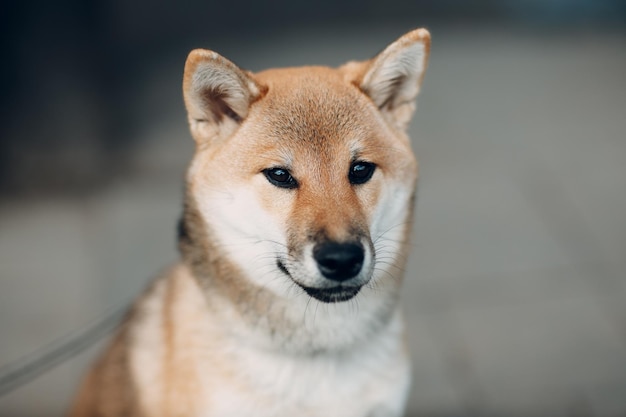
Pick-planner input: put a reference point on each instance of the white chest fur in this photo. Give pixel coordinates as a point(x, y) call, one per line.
point(370, 380)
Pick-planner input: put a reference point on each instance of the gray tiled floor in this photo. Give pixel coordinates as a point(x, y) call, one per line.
point(516, 289)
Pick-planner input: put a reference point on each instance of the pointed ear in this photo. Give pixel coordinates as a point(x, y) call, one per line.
point(217, 95)
point(393, 78)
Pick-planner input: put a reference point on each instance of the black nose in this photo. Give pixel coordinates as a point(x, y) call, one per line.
point(339, 261)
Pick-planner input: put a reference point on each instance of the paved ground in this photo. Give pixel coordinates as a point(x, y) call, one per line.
point(516, 289)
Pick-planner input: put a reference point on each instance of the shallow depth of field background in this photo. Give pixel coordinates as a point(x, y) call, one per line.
point(516, 287)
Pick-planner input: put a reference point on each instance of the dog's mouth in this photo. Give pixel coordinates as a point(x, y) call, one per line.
point(335, 294)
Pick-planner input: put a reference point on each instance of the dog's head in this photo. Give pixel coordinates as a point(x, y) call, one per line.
point(304, 177)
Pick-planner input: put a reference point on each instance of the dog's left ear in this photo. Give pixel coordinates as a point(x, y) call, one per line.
point(393, 78)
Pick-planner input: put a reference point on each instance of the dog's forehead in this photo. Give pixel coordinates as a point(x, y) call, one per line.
point(313, 103)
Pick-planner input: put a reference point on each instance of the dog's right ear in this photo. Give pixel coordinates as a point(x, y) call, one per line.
point(217, 94)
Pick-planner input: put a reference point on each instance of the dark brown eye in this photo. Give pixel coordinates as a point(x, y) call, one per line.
point(361, 172)
point(280, 177)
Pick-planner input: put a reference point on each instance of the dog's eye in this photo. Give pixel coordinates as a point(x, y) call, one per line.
point(361, 172)
point(280, 177)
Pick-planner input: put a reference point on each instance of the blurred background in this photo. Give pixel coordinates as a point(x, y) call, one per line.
point(516, 287)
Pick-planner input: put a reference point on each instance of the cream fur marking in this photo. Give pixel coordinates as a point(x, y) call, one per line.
point(293, 241)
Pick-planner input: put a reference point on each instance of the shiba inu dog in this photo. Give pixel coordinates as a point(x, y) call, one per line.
point(297, 214)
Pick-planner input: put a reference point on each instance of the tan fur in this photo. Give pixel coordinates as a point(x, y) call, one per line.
point(107, 389)
point(230, 330)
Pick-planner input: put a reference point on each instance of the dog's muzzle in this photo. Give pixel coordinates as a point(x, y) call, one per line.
point(338, 263)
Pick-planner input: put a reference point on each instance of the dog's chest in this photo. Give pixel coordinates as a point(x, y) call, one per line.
point(342, 386)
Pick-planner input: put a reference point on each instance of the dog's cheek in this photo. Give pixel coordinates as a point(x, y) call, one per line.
point(388, 218)
point(238, 214)
point(275, 203)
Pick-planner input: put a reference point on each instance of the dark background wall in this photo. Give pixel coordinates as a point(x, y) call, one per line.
point(71, 68)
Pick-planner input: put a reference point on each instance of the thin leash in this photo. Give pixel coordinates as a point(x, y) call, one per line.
point(31, 366)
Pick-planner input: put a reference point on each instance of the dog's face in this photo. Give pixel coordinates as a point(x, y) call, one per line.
point(304, 177)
